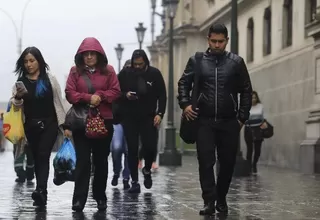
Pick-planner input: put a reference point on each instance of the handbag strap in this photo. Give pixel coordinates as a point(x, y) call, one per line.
point(197, 72)
point(86, 78)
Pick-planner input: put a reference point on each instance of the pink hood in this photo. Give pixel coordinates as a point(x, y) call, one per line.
point(91, 44)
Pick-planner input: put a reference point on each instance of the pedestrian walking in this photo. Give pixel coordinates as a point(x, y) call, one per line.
point(219, 118)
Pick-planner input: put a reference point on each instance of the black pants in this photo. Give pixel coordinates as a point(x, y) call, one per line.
point(141, 154)
point(223, 136)
point(100, 149)
point(41, 143)
point(135, 128)
point(252, 144)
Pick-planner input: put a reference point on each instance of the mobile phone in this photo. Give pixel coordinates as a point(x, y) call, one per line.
point(20, 84)
point(133, 93)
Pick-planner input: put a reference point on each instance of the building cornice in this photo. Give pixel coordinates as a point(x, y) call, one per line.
point(186, 29)
point(313, 29)
point(180, 34)
point(224, 14)
point(158, 48)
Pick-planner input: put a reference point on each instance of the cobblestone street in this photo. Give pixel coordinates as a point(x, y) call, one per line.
point(273, 194)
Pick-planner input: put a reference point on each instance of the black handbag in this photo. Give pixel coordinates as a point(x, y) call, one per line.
point(77, 115)
point(267, 132)
point(189, 129)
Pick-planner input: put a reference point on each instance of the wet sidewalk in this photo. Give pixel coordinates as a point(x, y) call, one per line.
point(273, 194)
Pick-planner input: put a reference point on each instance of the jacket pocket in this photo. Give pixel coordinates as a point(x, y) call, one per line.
point(199, 98)
point(234, 103)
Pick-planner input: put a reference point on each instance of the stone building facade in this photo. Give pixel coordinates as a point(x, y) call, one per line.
point(278, 41)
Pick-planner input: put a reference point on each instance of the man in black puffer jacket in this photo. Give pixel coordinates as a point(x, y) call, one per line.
point(223, 76)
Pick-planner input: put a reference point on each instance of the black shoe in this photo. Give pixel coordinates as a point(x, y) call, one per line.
point(20, 180)
point(126, 184)
point(222, 206)
point(102, 205)
point(30, 174)
point(39, 197)
point(208, 209)
point(254, 169)
point(114, 181)
point(147, 178)
point(135, 188)
point(77, 207)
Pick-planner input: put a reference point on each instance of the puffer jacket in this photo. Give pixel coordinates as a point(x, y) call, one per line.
point(222, 78)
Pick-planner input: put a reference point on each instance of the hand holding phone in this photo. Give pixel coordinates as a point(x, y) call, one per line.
point(132, 95)
point(21, 89)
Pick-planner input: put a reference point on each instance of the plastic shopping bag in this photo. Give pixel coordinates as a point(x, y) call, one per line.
point(13, 126)
point(64, 163)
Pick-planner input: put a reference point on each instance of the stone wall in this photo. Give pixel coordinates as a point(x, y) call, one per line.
point(286, 89)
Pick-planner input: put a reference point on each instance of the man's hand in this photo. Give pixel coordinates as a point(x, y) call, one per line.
point(67, 133)
point(189, 113)
point(95, 100)
point(157, 120)
point(131, 96)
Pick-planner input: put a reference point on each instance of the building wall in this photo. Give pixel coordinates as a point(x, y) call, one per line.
point(286, 88)
point(284, 80)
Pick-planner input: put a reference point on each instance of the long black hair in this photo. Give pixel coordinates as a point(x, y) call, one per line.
point(21, 71)
point(256, 94)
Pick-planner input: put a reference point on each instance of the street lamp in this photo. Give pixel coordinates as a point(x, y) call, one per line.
point(119, 49)
point(162, 16)
point(140, 33)
point(242, 167)
point(170, 156)
point(18, 36)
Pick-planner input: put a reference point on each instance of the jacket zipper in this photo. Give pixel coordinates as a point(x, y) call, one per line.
point(216, 98)
point(199, 98)
point(234, 103)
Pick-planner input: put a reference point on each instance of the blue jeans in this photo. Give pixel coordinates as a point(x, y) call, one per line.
point(119, 147)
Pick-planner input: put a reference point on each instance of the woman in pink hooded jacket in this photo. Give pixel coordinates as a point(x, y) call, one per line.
point(92, 61)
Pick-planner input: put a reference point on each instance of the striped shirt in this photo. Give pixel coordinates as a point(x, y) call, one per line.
point(256, 117)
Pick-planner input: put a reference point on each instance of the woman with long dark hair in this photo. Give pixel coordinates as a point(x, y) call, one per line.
point(252, 133)
point(92, 82)
point(39, 94)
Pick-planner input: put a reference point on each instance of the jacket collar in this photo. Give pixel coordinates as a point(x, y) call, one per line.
point(215, 57)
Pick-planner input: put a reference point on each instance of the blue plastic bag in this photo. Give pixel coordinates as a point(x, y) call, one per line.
point(64, 163)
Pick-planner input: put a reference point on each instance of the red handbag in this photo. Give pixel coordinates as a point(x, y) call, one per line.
point(95, 127)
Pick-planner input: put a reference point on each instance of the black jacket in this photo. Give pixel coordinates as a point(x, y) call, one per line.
point(150, 88)
point(222, 78)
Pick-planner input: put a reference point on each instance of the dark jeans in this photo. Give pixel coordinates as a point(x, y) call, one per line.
point(223, 136)
point(135, 128)
point(41, 143)
point(100, 149)
point(252, 144)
